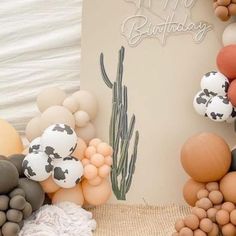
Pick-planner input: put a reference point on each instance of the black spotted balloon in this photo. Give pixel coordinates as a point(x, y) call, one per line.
point(200, 103)
point(67, 172)
point(37, 166)
point(58, 141)
point(35, 145)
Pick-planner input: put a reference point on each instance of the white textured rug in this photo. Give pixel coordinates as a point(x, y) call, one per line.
point(64, 219)
point(40, 46)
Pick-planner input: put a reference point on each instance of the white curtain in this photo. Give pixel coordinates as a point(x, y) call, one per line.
point(40, 46)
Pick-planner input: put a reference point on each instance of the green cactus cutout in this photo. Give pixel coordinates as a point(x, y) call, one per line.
point(120, 132)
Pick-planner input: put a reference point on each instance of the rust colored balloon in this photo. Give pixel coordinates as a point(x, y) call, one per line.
point(232, 93)
point(226, 61)
point(206, 157)
point(190, 190)
point(228, 187)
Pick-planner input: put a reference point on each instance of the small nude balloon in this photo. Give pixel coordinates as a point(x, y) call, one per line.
point(104, 149)
point(90, 171)
point(87, 133)
point(74, 195)
point(33, 129)
point(81, 118)
point(104, 171)
point(94, 142)
point(96, 181)
point(49, 186)
point(71, 104)
point(79, 151)
point(102, 192)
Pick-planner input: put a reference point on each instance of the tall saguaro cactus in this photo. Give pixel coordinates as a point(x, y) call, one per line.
point(120, 132)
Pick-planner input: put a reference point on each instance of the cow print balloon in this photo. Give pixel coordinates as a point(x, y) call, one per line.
point(199, 103)
point(219, 108)
point(35, 145)
point(214, 83)
point(67, 172)
point(58, 141)
point(37, 166)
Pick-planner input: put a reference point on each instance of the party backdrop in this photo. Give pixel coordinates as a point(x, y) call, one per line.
point(162, 68)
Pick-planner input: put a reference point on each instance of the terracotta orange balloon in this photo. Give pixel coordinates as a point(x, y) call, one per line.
point(190, 191)
point(97, 195)
point(80, 149)
point(74, 195)
point(232, 93)
point(226, 61)
point(228, 187)
point(10, 141)
point(206, 157)
point(50, 195)
point(49, 186)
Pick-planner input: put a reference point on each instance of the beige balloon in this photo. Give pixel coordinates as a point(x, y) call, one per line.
point(50, 97)
point(229, 35)
point(71, 104)
point(33, 129)
point(81, 118)
point(87, 102)
point(87, 133)
point(57, 114)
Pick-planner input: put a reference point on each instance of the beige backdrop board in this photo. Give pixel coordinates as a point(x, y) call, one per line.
point(162, 81)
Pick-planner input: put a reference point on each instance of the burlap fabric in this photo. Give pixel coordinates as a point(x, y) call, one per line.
point(133, 220)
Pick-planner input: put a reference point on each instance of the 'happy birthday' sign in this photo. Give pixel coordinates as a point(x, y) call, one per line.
point(162, 18)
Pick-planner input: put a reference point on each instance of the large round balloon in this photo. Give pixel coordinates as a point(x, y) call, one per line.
point(9, 176)
point(206, 157)
point(232, 93)
point(219, 108)
point(34, 193)
point(58, 141)
point(199, 103)
point(226, 61)
point(10, 141)
point(96, 195)
point(74, 195)
point(37, 166)
point(228, 187)
point(67, 172)
point(229, 36)
point(214, 83)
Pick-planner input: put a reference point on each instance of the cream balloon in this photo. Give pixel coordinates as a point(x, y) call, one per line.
point(229, 35)
point(81, 118)
point(71, 104)
point(87, 102)
point(87, 133)
point(33, 129)
point(50, 97)
point(57, 114)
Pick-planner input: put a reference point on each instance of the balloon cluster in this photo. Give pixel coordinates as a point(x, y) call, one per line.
point(19, 197)
point(217, 98)
point(50, 154)
point(77, 111)
point(212, 188)
point(224, 9)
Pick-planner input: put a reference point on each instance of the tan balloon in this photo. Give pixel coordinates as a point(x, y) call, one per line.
point(74, 195)
point(50, 97)
point(87, 133)
point(10, 141)
point(71, 104)
point(97, 195)
point(81, 118)
point(87, 102)
point(49, 186)
point(57, 114)
point(80, 149)
point(33, 129)
point(229, 35)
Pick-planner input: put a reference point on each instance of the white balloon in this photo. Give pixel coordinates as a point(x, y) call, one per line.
point(229, 35)
point(214, 83)
point(199, 103)
point(58, 141)
point(37, 166)
point(35, 145)
point(219, 108)
point(67, 172)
